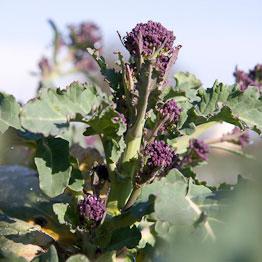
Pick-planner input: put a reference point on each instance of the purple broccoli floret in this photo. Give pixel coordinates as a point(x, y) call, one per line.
point(242, 138)
point(253, 78)
point(200, 148)
point(160, 154)
point(149, 39)
point(170, 111)
point(91, 208)
point(85, 35)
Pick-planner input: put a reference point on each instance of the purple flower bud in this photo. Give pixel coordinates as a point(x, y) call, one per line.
point(170, 111)
point(121, 117)
point(85, 35)
point(147, 39)
point(92, 208)
point(159, 154)
point(242, 138)
point(253, 78)
point(197, 151)
point(199, 148)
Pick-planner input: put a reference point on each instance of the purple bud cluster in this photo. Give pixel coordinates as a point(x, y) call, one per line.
point(85, 35)
point(92, 208)
point(81, 37)
point(121, 118)
point(253, 78)
point(242, 138)
point(160, 154)
point(170, 111)
point(200, 148)
point(147, 38)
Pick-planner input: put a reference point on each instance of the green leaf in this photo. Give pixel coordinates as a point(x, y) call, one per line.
point(187, 84)
point(53, 165)
point(76, 182)
point(78, 258)
point(29, 203)
point(66, 214)
point(227, 103)
point(51, 112)
point(109, 124)
point(179, 203)
point(213, 99)
point(113, 77)
point(124, 237)
point(49, 256)
point(21, 239)
point(9, 112)
point(247, 107)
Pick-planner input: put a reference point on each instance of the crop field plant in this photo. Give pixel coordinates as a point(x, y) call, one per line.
point(104, 170)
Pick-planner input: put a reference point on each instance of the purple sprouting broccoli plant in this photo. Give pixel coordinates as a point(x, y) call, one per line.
point(91, 208)
point(133, 145)
point(252, 78)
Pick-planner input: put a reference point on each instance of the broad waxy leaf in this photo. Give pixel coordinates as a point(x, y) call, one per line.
point(53, 110)
point(227, 103)
point(53, 165)
point(49, 256)
point(109, 124)
point(21, 239)
point(9, 112)
point(125, 237)
point(178, 203)
point(188, 84)
point(29, 204)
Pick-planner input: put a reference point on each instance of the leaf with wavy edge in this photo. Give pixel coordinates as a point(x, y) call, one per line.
point(228, 104)
point(178, 203)
point(21, 239)
point(51, 112)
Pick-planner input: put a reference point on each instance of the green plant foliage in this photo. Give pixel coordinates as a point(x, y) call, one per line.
point(51, 112)
point(21, 239)
point(53, 165)
point(124, 237)
point(111, 176)
point(178, 204)
point(227, 103)
point(50, 255)
point(9, 112)
point(109, 125)
point(78, 258)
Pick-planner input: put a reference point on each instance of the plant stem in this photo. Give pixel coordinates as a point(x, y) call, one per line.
point(134, 135)
point(133, 197)
point(122, 186)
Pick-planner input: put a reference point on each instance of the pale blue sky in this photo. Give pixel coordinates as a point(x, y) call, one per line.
point(216, 35)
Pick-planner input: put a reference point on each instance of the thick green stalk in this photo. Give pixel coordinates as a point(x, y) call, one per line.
point(122, 185)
